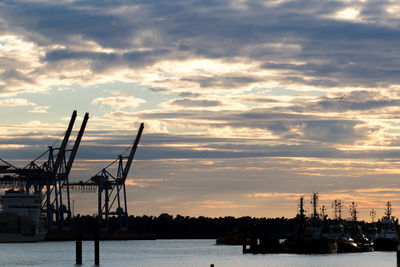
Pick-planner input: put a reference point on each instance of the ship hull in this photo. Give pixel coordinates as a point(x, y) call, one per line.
point(20, 238)
point(345, 246)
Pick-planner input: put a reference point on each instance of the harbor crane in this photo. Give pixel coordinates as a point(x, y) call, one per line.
point(111, 190)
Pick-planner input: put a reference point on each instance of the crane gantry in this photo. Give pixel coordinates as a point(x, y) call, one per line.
point(111, 190)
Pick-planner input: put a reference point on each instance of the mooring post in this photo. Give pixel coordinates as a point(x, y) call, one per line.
point(78, 247)
point(97, 247)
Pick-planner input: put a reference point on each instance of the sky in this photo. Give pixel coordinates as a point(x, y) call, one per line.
point(247, 105)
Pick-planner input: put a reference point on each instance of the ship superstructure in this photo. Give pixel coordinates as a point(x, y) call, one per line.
point(387, 238)
point(21, 219)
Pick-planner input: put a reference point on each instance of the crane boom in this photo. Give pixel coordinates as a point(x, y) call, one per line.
point(132, 154)
point(76, 145)
point(61, 152)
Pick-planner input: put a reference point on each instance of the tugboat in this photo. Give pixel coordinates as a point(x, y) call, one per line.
point(20, 218)
point(347, 244)
point(372, 230)
point(356, 234)
point(312, 240)
point(387, 238)
point(314, 235)
point(351, 240)
point(363, 242)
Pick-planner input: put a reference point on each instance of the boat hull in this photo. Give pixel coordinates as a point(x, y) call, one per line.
point(312, 246)
point(346, 246)
point(385, 244)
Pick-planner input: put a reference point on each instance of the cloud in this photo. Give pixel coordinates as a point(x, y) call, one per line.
point(303, 43)
point(157, 90)
point(19, 74)
point(257, 99)
point(189, 94)
point(143, 183)
point(121, 101)
point(186, 102)
point(216, 204)
point(22, 102)
point(276, 195)
point(288, 94)
point(101, 61)
point(222, 82)
point(40, 109)
point(15, 102)
point(348, 14)
point(299, 126)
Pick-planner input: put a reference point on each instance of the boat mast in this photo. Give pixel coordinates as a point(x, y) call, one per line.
point(372, 213)
point(353, 211)
point(314, 203)
point(301, 209)
point(337, 207)
point(388, 211)
point(323, 214)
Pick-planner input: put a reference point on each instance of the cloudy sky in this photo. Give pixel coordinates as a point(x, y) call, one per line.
point(247, 105)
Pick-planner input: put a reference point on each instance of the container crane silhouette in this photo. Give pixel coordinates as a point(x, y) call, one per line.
point(111, 190)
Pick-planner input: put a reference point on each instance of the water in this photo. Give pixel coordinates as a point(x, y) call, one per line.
point(176, 253)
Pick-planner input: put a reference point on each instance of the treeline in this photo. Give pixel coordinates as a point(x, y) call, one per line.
point(168, 226)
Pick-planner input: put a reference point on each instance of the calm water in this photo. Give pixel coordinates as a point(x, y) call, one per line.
point(175, 253)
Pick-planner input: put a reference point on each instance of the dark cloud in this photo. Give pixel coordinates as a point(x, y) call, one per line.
point(336, 53)
point(11, 77)
point(332, 131)
point(101, 61)
point(155, 146)
point(157, 89)
point(187, 102)
point(255, 99)
point(227, 82)
point(286, 125)
point(360, 101)
point(345, 105)
point(49, 23)
point(189, 95)
point(12, 74)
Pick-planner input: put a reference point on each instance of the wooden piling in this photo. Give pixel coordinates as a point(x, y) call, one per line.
point(78, 248)
point(97, 248)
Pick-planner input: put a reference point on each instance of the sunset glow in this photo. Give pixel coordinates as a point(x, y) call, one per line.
point(247, 105)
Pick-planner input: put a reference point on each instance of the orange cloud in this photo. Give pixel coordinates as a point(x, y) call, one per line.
point(143, 183)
